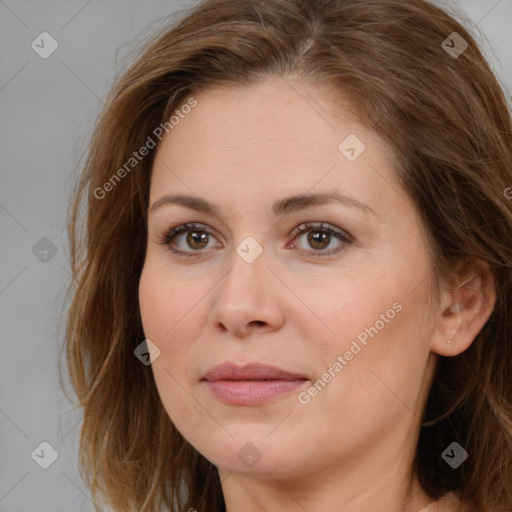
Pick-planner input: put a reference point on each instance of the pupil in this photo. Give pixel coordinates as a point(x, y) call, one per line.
point(318, 237)
point(196, 236)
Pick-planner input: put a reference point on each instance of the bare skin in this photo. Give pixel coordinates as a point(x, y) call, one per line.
point(350, 446)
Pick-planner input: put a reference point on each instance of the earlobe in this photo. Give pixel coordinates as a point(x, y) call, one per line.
point(463, 313)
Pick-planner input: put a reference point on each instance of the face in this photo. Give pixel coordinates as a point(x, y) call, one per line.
point(334, 292)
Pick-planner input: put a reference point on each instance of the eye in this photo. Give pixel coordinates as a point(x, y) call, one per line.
point(320, 235)
point(198, 237)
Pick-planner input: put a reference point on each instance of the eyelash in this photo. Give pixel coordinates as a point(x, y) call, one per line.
point(170, 235)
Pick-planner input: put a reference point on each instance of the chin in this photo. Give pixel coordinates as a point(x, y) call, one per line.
point(259, 454)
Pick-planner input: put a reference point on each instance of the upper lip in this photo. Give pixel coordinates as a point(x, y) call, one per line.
point(251, 371)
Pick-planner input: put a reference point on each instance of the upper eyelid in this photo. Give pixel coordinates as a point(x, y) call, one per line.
point(315, 224)
point(299, 230)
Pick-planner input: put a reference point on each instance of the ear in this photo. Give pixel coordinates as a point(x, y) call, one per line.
point(464, 309)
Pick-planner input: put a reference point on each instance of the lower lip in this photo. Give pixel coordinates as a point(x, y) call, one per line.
point(251, 392)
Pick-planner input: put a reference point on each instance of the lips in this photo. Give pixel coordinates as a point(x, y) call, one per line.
point(251, 371)
point(252, 384)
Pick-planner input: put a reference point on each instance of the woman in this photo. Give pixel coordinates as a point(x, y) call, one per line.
point(294, 289)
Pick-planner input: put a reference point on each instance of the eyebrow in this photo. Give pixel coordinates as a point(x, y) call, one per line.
point(281, 207)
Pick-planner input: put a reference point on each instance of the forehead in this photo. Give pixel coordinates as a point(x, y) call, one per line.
point(272, 136)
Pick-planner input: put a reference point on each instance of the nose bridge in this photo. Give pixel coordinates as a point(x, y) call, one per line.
point(246, 294)
point(248, 269)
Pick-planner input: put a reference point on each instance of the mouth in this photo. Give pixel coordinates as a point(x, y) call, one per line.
point(251, 384)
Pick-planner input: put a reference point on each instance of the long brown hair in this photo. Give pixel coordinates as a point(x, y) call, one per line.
point(449, 124)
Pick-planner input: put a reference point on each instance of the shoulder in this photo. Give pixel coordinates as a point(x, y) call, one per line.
point(448, 503)
point(452, 503)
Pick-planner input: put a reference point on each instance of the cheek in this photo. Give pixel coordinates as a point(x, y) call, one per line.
point(381, 333)
point(173, 317)
point(166, 303)
point(167, 324)
point(373, 388)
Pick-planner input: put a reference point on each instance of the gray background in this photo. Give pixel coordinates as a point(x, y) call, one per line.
point(47, 113)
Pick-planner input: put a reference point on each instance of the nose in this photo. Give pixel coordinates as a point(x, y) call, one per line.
point(248, 298)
